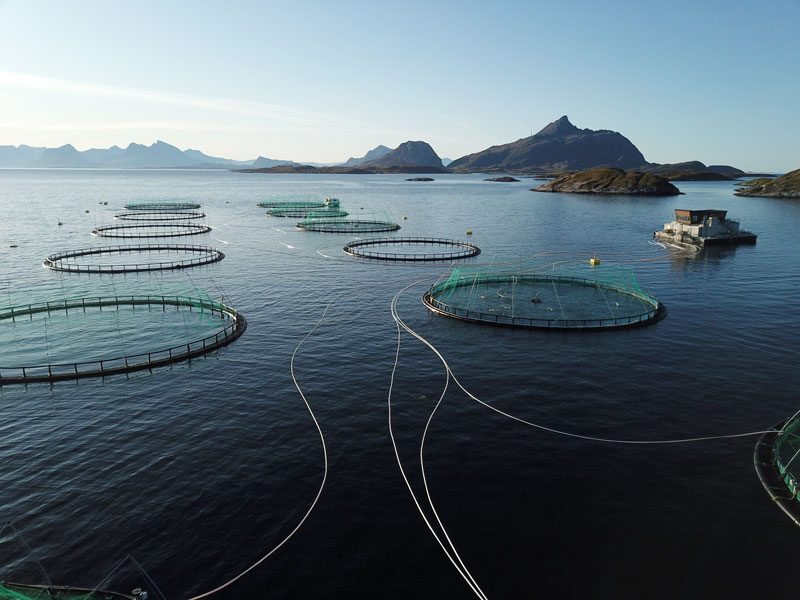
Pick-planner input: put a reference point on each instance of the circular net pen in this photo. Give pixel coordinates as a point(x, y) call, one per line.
point(159, 215)
point(301, 213)
point(777, 463)
point(162, 206)
point(303, 200)
point(110, 335)
point(119, 259)
point(563, 297)
point(411, 249)
point(150, 230)
point(362, 223)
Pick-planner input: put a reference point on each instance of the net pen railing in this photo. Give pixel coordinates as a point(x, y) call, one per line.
point(60, 261)
point(124, 363)
point(461, 249)
point(430, 300)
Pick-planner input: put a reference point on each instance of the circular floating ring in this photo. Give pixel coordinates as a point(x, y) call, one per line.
point(159, 215)
point(302, 213)
point(161, 206)
point(773, 461)
point(347, 226)
point(148, 230)
point(533, 301)
point(460, 250)
point(122, 364)
point(60, 260)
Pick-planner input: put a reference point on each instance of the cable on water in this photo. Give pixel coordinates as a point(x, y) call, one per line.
point(402, 324)
point(456, 562)
point(324, 473)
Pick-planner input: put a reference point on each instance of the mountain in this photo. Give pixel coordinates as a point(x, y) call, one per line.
point(19, 156)
point(265, 163)
point(560, 146)
point(135, 156)
point(407, 153)
point(65, 156)
point(376, 152)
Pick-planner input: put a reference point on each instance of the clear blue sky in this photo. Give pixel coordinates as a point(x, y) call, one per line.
point(320, 81)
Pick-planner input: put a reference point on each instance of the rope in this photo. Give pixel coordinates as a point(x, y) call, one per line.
point(460, 567)
point(561, 431)
point(324, 474)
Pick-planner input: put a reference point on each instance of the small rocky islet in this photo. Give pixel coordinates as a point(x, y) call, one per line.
point(610, 180)
point(785, 186)
point(502, 179)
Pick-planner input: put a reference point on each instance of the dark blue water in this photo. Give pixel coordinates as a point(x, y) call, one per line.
point(200, 469)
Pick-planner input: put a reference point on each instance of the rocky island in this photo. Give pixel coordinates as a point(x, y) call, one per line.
point(420, 179)
point(502, 179)
point(785, 186)
point(610, 180)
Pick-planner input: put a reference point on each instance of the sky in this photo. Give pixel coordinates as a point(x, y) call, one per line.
point(309, 81)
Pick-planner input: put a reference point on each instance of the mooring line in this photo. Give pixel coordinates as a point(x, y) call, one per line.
point(324, 473)
point(560, 431)
point(459, 564)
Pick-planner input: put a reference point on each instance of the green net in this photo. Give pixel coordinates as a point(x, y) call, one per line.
point(570, 294)
point(787, 456)
point(364, 221)
point(10, 591)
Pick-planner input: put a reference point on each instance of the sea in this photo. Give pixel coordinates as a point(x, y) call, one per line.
point(330, 453)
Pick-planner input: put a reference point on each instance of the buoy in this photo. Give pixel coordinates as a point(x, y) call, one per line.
point(594, 260)
point(86, 211)
point(105, 203)
point(469, 231)
point(13, 246)
point(362, 208)
point(404, 218)
point(60, 223)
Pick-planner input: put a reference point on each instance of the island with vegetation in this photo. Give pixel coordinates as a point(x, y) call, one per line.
point(785, 186)
point(610, 180)
point(502, 179)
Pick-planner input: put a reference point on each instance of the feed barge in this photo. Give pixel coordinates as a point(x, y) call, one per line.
point(703, 228)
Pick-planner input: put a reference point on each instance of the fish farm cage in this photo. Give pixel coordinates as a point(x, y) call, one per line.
point(567, 295)
point(370, 222)
point(411, 249)
point(151, 230)
point(180, 257)
point(298, 201)
point(22, 591)
point(162, 206)
point(777, 463)
point(159, 215)
point(302, 212)
point(52, 330)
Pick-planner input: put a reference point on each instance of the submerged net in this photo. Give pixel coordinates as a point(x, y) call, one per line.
point(161, 205)
point(93, 328)
point(411, 249)
point(292, 199)
point(787, 456)
point(151, 230)
point(301, 212)
point(363, 222)
point(159, 215)
point(563, 295)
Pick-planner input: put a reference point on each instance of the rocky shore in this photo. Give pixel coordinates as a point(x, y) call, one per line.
point(609, 180)
point(785, 186)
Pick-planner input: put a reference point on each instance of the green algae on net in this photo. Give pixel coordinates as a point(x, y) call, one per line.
point(572, 295)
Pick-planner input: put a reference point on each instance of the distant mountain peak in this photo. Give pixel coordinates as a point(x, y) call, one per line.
point(560, 146)
point(408, 153)
point(561, 126)
point(373, 154)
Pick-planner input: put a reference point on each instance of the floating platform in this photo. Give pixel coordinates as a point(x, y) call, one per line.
point(703, 228)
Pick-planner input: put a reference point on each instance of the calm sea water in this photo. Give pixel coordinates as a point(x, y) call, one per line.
point(200, 469)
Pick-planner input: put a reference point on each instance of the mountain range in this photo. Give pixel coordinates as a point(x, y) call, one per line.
point(558, 147)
